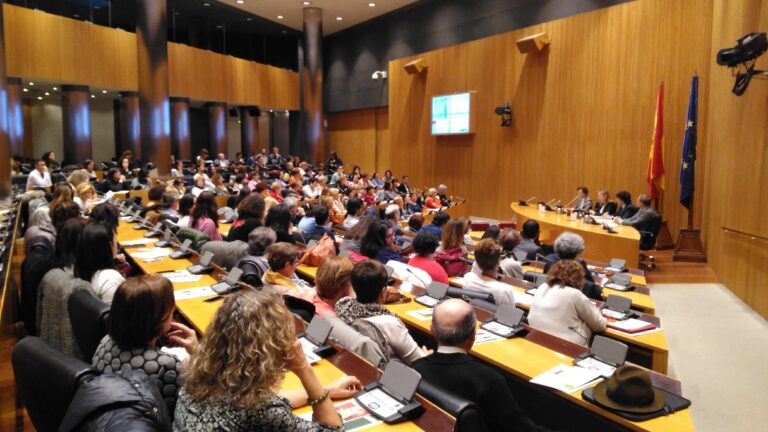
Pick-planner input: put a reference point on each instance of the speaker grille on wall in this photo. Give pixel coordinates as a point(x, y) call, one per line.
point(232, 112)
point(416, 66)
point(533, 43)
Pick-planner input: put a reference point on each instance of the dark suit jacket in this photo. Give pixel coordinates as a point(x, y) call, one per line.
point(553, 258)
point(626, 212)
point(403, 189)
point(464, 376)
point(609, 208)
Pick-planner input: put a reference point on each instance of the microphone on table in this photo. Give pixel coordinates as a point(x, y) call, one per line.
point(551, 201)
point(571, 201)
point(524, 203)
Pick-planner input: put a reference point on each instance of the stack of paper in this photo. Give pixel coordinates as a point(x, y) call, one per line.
point(484, 336)
point(567, 378)
point(150, 253)
point(138, 242)
point(631, 325)
point(180, 276)
point(192, 293)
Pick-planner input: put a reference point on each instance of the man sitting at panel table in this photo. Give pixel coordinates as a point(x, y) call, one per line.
point(451, 368)
point(625, 209)
point(643, 219)
point(604, 206)
point(583, 202)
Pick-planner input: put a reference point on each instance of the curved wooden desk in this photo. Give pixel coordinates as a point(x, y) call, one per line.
point(600, 244)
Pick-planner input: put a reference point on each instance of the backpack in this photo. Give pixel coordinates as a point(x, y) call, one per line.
point(453, 261)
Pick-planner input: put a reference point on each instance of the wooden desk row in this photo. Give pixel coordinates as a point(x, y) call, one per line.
point(533, 355)
point(199, 313)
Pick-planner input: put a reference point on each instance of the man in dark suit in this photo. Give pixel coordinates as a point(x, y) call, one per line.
point(625, 208)
point(645, 217)
point(403, 188)
point(451, 368)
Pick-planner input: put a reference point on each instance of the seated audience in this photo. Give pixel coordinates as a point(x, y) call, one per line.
point(279, 219)
point(232, 381)
point(85, 195)
point(106, 214)
point(424, 245)
point(415, 223)
point(369, 281)
point(432, 201)
point(560, 308)
point(492, 232)
point(387, 193)
point(483, 276)
point(171, 206)
point(452, 239)
point(569, 246)
point(355, 208)
point(438, 221)
point(283, 259)
point(186, 205)
point(141, 313)
point(509, 239)
point(442, 193)
point(378, 243)
point(205, 217)
point(254, 265)
point(316, 228)
point(530, 236)
point(604, 206)
point(250, 212)
point(452, 368)
point(332, 282)
point(199, 187)
point(353, 238)
point(113, 181)
point(96, 263)
point(39, 178)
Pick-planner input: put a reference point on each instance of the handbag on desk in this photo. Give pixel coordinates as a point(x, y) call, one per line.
point(317, 253)
point(453, 261)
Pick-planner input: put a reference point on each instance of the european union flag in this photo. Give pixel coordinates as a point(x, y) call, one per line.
point(689, 147)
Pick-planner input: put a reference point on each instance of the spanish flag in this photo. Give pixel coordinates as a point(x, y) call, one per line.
point(655, 174)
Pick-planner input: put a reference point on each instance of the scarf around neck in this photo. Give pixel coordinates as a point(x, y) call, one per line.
point(350, 310)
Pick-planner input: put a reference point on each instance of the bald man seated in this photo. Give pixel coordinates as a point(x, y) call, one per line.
point(454, 370)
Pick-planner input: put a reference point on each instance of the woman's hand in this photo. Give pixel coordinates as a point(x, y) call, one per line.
point(295, 360)
point(345, 387)
point(183, 336)
point(426, 350)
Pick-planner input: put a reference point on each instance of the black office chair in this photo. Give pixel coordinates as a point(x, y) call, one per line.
point(648, 238)
point(47, 380)
point(535, 277)
point(88, 315)
point(470, 295)
point(467, 414)
point(302, 308)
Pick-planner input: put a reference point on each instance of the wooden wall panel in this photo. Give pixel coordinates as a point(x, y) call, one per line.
point(584, 115)
point(738, 154)
point(54, 48)
point(353, 137)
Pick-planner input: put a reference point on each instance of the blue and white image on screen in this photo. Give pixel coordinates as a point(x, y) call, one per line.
point(450, 114)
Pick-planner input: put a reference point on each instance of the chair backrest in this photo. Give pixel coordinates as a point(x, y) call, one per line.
point(510, 225)
point(648, 239)
point(304, 309)
point(47, 380)
point(346, 336)
point(467, 413)
point(470, 294)
point(53, 323)
point(479, 226)
point(226, 254)
point(88, 316)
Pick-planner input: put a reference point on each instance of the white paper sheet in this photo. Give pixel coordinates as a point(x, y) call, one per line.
point(567, 378)
point(180, 276)
point(483, 336)
point(192, 293)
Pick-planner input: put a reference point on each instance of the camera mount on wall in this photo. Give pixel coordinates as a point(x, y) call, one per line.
point(505, 112)
point(742, 59)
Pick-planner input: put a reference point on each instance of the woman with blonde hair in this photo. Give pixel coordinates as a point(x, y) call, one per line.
point(561, 308)
point(85, 194)
point(232, 382)
point(432, 201)
point(453, 236)
point(332, 282)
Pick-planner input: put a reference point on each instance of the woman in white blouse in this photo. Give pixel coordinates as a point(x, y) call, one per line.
point(560, 308)
point(483, 276)
point(96, 261)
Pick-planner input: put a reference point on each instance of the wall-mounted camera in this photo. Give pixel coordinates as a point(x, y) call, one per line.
point(505, 112)
point(742, 57)
point(379, 75)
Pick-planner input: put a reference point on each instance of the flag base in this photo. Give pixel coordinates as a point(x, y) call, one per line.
point(689, 248)
point(664, 239)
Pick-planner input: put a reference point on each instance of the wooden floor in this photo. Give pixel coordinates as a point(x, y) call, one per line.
point(669, 271)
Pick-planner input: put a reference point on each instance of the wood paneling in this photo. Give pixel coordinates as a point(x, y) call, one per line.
point(584, 112)
point(54, 48)
point(359, 137)
point(738, 153)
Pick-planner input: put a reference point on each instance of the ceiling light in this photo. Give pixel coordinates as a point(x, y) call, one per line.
point(240, 1)
point(39, 98)
point(279, 17)
point(31, 83)
point(93, 96)
point(55, 89)
point(206, 4)
point(104, 91)
point(339, 18)
point(26, 89)
point(249, 19)
point(306, 3)
point(371, 4)
point(47, 94)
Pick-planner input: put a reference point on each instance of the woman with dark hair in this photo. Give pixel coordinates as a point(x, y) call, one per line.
point(388, 193)
point(376, 181)
point(141, 313)
point(106, 214)
point(125, 169)
point(95, 263)
point(205, 217)
point(250, 212)
point(186, 204)
point(114, 181)
point(50, 160)
point(377, 243)
point(279, 219)
point(68, 241)
point(353, 239)
point(141, 181)
point(425, 244)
